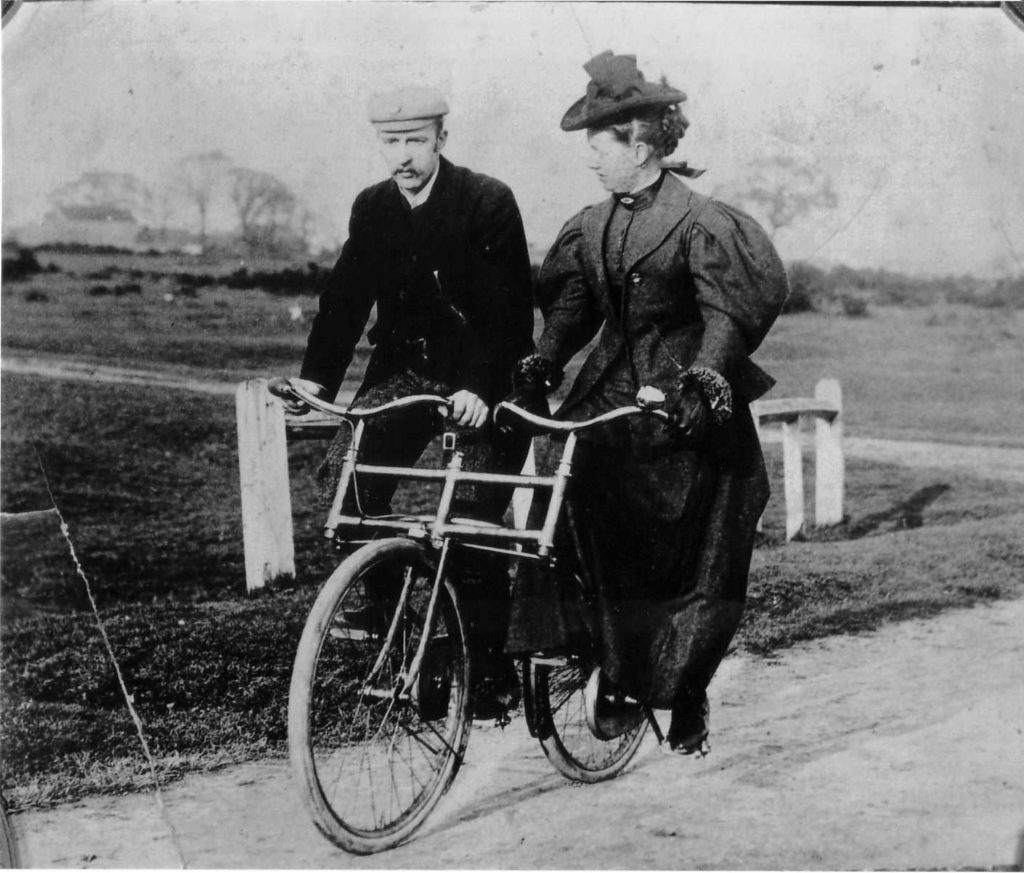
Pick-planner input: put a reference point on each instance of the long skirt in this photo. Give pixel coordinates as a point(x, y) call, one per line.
point(666, 536)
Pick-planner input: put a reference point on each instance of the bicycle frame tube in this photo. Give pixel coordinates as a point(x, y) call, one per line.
point(429, 622)
point(439, 526)
point(347, 472)
point(392, 630)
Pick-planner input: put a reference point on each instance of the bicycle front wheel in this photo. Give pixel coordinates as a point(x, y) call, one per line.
point(556, 697)
point(372, 754)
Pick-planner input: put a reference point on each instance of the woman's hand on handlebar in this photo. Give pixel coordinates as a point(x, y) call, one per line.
point(689, 416)
point(468, 410)
point(281, 387)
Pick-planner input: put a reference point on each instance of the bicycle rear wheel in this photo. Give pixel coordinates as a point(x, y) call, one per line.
point(555, 692)
point(373, 759)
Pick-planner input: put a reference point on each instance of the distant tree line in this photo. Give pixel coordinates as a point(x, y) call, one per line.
point(270, 218)
point(841, 290)
point(851, 291)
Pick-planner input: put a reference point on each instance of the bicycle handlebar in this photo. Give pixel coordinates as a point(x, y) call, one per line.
point(550, 425)
point(553, 425)
point(315, 402)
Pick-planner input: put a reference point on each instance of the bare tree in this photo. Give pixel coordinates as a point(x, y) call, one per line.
point(199, 176)
point(265, 206)
point(784, 189)
point(785, 186)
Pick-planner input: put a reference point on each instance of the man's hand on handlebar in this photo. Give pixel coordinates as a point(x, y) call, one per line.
point(281, 387)
point(468, 410)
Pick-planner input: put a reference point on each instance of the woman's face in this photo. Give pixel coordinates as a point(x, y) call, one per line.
point(616, 163)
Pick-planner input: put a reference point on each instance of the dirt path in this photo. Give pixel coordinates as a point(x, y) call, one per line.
point(896, 749)
point(902, 748)
point(1003, 464)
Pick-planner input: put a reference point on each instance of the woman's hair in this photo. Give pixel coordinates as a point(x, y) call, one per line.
point(660, 128)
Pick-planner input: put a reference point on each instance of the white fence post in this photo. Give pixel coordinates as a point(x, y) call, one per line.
point(266, 496)
point(793, 473)
point(829, 468)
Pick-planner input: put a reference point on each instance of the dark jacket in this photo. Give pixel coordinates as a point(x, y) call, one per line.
point(668, 527)
point(703, 291)
point(451, 277)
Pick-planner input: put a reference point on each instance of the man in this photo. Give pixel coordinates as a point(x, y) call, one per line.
point(442, 253)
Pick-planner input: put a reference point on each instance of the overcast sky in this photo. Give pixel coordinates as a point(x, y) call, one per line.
point(917, 114)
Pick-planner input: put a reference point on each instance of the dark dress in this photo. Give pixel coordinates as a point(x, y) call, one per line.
point(678, 281)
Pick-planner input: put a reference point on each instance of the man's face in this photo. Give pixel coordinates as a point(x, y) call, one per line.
point(616, 163)
point(412, 156)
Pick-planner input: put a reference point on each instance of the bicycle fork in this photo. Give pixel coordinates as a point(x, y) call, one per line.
point(405, 684)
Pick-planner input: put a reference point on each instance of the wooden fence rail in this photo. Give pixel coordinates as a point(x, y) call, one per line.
point(829, 467)
point(264, 431)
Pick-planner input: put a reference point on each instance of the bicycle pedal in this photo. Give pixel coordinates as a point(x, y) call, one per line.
point(349, 633)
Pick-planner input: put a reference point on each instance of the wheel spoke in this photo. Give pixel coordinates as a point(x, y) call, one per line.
point(380, 760)
point(567, 739)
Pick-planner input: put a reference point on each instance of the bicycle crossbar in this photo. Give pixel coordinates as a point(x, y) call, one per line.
point(424, 474)
point(430, 527)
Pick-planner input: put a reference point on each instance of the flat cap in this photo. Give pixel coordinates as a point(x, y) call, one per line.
point(406, 108)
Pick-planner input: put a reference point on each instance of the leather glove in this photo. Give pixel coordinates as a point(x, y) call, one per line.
point(532, 378)
point(702, 398)
point(689, 416)
point(278, 386)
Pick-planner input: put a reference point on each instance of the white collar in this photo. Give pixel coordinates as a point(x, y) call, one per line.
point(420, 197)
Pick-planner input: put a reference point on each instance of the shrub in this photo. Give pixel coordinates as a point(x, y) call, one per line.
point(854, 306)
point(806, 287)
point(289, 281)
point(21, 267)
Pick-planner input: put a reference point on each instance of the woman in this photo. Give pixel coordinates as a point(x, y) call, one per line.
point(686, 288)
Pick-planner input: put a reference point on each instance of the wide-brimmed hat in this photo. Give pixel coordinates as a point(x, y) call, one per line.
point(617, 90)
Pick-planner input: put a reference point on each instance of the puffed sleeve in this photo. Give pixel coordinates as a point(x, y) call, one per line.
point(571, 315)
point(740, 285)
point(736, 271)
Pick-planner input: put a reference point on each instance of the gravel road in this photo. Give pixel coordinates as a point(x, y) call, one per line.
point(901, 748)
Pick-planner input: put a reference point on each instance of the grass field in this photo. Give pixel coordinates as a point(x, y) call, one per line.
point(147, 483)
point(946, 373)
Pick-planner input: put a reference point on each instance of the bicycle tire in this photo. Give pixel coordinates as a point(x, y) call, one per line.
point(555, 695)
point(373, 764)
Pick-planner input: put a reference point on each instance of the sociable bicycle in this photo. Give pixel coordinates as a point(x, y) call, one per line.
point(379, 711)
